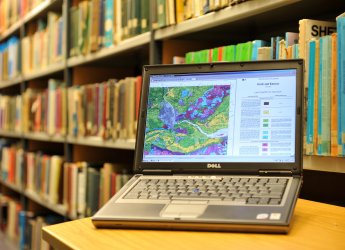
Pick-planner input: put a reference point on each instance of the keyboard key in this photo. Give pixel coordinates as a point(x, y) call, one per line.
point(274, 202)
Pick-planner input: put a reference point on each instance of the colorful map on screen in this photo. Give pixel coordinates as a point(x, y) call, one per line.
point(190, 120)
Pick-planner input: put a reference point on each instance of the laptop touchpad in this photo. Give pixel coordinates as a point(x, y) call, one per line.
point(183, 210)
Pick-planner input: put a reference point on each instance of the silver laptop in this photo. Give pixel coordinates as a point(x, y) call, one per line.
point(219, 147)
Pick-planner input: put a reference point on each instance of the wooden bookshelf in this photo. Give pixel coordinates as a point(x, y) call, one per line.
point(224, 17)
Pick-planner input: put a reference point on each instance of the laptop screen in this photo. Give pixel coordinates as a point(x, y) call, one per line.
point(246, 116)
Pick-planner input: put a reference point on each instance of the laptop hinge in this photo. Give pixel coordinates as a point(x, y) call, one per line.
point(275, 172)
point(157, 171)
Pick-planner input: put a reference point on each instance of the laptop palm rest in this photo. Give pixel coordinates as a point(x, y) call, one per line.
point(184, 209)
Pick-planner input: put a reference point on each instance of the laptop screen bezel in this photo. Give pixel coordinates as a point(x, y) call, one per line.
point(226, 167)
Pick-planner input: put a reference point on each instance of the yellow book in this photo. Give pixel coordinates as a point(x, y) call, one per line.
point(179, 11)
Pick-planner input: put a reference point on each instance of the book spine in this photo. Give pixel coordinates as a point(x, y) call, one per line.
point(310, 103)
point(341, 84)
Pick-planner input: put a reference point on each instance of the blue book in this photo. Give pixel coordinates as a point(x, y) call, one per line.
point(310, 102)
point(22, 226)
point(108, 23)
point(278, 38)
point(324, 105)
point(295, 51)
point(13, 54)
point(256, 45)
point(341, 83)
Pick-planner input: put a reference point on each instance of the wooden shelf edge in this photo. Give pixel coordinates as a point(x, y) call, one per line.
point(39, 9)
point(44, 137)
point(12, 186)
point(98, 142)
point(10, 134)
point(11, 30)
point(57, 208)
point(9, 83)
point(324, 163)
point(50, 69)
point(125, 45)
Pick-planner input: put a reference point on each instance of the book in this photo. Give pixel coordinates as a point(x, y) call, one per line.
point(256, 45)
point(310, 104)
point(229, 53)
point(264, 53)
point(324, 105)
point(179, 9)
point(55, 179)
point(334, 96)
point(93, 184)
point(95, 23)
point(340, 21)
point(108, 23)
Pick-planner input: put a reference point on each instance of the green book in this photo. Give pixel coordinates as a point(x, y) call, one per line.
point(190, 57)
point(215, 54)
point(229, 54)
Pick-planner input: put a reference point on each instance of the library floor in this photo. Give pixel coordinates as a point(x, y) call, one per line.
point(5, 243)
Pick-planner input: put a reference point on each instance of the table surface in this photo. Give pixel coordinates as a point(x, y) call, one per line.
point(314, 226)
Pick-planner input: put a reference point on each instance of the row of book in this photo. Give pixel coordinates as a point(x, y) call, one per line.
point(44, 43)
point(23, 226)
point(107, 110)
point(278, 48)
point(96, 24)
point(323, 51)
point(80, 187)
point(36, 110)
point(325, 57)
point(11, 11)
point(43, 46)
point(9, 59)
point(169, 12)
point(87, 186)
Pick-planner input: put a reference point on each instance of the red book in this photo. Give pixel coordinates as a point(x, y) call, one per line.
point(12, 164)
point(105, 108)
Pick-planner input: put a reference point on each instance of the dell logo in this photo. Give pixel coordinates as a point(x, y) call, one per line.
point(215, 165)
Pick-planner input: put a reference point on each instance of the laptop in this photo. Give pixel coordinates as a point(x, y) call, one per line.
point(218, 148)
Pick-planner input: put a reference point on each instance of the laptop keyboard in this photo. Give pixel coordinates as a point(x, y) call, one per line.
point(237, 190)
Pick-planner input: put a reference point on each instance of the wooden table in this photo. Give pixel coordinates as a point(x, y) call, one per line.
point(315, 226)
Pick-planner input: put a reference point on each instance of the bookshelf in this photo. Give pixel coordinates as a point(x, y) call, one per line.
point(222, 27)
